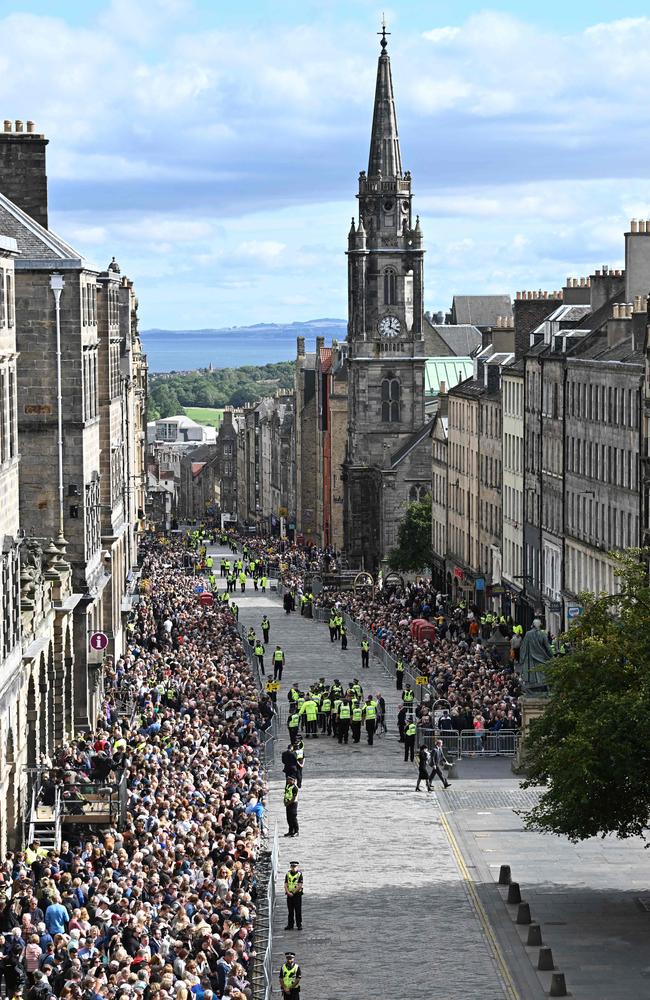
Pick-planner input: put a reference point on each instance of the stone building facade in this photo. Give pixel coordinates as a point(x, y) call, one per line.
point(226, 446)
point(71, 473)
point(512, 385)
point(37, 605)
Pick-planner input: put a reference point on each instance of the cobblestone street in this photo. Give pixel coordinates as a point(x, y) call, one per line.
point(386, 910)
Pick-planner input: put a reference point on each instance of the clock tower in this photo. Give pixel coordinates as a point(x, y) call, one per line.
point(385, 341)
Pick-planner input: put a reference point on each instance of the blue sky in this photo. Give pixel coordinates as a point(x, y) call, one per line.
point(214, 147)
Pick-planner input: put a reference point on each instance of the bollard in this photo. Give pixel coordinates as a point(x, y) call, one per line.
point(545, 961)
point(514, 895)
point(558, 985)
point(523, 913)
point(504, 875)
point(534, 936)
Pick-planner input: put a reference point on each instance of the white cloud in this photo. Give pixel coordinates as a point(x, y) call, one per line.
point(441, 34)
point(236, 151)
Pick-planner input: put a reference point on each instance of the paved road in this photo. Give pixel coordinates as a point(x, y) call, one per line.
point(387, 913)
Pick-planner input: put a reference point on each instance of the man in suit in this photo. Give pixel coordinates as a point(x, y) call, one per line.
point(437, 759)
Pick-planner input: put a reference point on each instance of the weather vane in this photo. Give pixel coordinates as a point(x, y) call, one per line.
point(383, 34)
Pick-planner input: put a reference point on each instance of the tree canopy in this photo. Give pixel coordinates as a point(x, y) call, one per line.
point(413, 550)
point(591, 748)
point(169, 393)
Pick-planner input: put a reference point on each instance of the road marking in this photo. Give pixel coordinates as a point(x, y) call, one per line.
point(511, 989)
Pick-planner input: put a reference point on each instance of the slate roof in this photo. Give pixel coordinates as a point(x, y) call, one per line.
point(34, 242)
point(471, 387)
point(462, 338)
point(415, 439)
point(480, 310)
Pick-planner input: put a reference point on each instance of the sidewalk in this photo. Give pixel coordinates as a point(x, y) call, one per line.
point(386, 910)
point(590, 898)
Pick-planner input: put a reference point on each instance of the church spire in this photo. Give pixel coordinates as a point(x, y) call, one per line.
point(385, 157)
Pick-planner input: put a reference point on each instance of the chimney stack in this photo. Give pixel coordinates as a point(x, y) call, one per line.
point(300, 342)
point(22, 168)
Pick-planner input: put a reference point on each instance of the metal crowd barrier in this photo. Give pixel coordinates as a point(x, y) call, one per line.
point(469, 743)
point(270, 905)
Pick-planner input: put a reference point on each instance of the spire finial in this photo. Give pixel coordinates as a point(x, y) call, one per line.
point(383, 34)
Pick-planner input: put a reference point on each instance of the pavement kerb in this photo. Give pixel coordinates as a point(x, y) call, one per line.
point(480, 911)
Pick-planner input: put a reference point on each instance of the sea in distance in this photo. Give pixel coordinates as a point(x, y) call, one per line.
point(187, 350)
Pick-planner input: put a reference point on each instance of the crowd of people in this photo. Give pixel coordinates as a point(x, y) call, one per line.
point(163, 907)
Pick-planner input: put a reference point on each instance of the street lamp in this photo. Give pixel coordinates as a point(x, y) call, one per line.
point(57, 285)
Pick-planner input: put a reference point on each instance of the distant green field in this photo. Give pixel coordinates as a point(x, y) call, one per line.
point(204, 415)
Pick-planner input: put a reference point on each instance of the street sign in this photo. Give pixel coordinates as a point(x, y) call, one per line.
point(422, 680)
point(573, 611)
point(199, 589)
point(555, 606)
point(98, 641)
point(480, 583)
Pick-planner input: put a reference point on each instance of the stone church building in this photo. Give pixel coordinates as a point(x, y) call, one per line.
point(388, 458)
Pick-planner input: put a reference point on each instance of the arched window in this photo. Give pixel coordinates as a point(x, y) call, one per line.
point(417, 493)
point(390, 400)
point(389, 287)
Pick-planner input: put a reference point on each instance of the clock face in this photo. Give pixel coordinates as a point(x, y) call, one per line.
point(389, 326)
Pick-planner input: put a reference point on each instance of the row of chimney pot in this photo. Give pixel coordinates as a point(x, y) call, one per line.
point(539, 295)
point(613, 272)
point(640, 226)
point(9, 126)
point(505, 323)
point(624, 310)
point(578, 282)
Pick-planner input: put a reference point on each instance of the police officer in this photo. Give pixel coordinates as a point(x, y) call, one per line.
point(400, 667)
point(310, 711)
point(324, 709)
point(264, 583)
point(365, 653)
point(278, 663)
point(408, 697)
point(258, 649)
point(370, 715)
point(334, 714)
point(251, 636)
point(343, 632)
point(355, 723)
point(345, 713)
point(293, 720)
point(298, 748)
point(291, 806)
point(293, 889)
point(290, 977)
point(409, 738)
point(242, 581)
point(332, 626)
point(266, 628)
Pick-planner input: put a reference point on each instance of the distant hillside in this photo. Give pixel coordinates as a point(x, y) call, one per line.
point(169, 394)
point(232, 347)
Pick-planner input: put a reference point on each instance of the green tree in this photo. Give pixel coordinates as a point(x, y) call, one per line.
point(413, 551)
point(591, 748)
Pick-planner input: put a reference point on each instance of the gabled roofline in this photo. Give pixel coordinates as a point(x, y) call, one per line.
point(49, 239)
